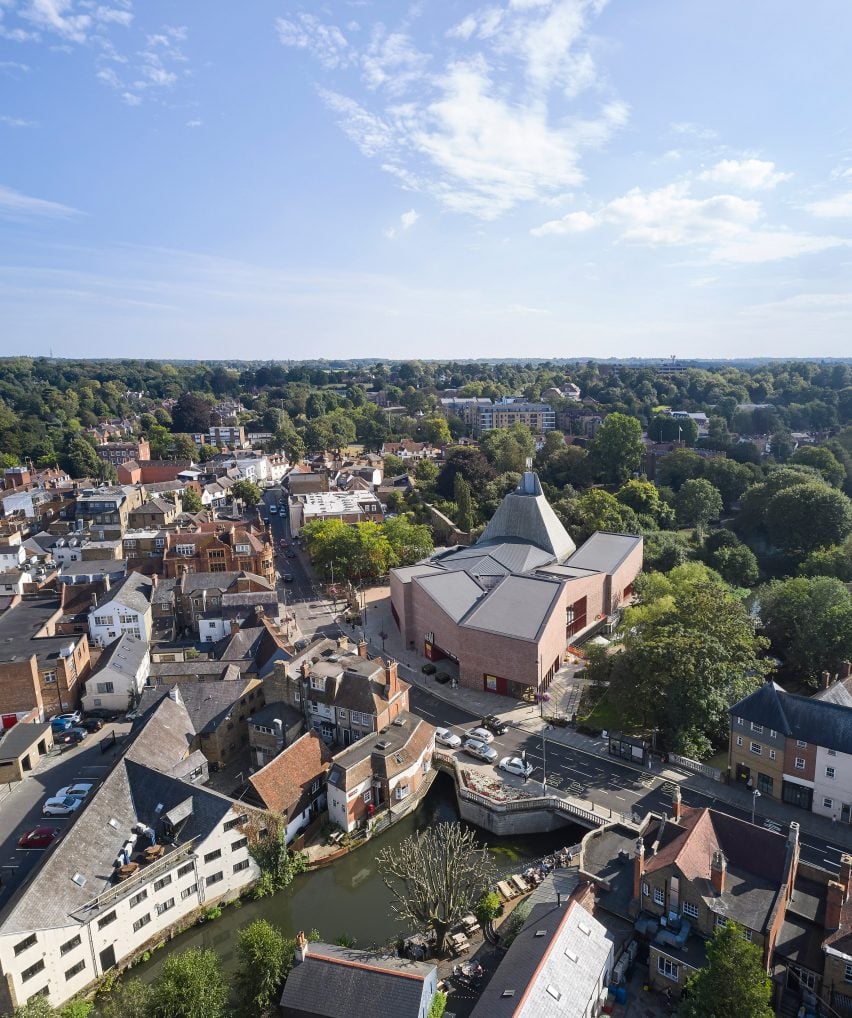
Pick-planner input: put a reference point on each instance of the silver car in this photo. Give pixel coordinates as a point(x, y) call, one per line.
point(480, 750)
point(447, 738)
point(64, 807)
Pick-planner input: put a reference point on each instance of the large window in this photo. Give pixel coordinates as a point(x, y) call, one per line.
point(756, 748)
point(659, 896)
point(666, 967)
point(690, 910)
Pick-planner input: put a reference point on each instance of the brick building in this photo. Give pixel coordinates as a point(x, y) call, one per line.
point(219, 548)
point(119, 452)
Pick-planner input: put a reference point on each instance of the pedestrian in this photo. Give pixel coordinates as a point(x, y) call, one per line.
point(834, 820)
point(649, 762)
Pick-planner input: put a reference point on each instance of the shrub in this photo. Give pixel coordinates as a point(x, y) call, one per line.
point(428, 669)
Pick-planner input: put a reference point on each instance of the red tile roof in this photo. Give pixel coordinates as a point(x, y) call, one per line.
point(285, 779)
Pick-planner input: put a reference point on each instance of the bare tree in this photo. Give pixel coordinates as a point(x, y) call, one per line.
point(436, 877)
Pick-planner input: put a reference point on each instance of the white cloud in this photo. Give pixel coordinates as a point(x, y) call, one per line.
point(369, 132)
point(131, 99)
point(8, 121)
point(694, 130)
point(16, 205)
point(326, 42)
point(408, 219)
point(837, 207)
point(194, 123)
point(13, 65)
point(57, 16)
point(392, 61)
point(728, 228)
point(746, 174)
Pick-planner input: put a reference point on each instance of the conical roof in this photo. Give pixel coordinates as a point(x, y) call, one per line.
point(526, 515)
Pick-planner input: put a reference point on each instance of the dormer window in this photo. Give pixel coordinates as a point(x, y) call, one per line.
point(185, 549)
point(317, 682)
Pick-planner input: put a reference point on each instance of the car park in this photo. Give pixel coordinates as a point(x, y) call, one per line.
point(515, 765)
point(480, 750)
point(480, 734)
point(38, 837)
point(71, 736)
point(64, 807)
point(447, 738)
point(79, 790)
point(495, 725)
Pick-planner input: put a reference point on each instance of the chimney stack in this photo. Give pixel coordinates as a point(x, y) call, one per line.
point(718, 869)
point(154, 580)
point(833, 905)
point(845, 878)
point(362, 648)
point(343, 643)
point(638, 870)
point(391, 679)
point(235, 626)
point(301, 946)
point(824, 680)
point(678, 804)
point(845, 669)
point(305, 669)
point(174, 694)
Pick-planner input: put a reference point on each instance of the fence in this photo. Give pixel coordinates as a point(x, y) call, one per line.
point(695, 766)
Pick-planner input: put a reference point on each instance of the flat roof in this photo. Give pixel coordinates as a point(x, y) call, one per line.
point(604, 552)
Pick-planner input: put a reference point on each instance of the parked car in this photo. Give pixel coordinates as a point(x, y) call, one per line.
point(103, 714)
point(72, 717)
point(515, 765)
point(447, 738)
point(59, 724)
point(287, 577)
point(480, 750)
point(480, 734)
point(38, 837)
point(71, 736)
point(55, 807)
point(274, 510)
point(442, 678)
point(290, 553)
point(79, 790)
point(494, 724)
point(91, 724)
point(282, 543)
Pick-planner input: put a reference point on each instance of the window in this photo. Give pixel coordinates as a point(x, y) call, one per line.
point(103, 620)
point(70, 973)
point(49, 677)
point(142, 921)
point(800, 744)
point(829, 773)
point(690, 909)
point(739, 740)
point(164, 906)
point(187, 868)
point(772, 754)
point(342, 714)
point(756, 748)
point(847, 975)
point(666, 967)
point(212, 856)
point(107, 919)
point(239, 866)
point(237, 845)
point(214, 878)
point(22, 945)
point(739, 722)
point(105, 687)
point(828, 803)
point(800, 763)
point(645, 889)
point(831, 752)
point(773, 734)
point(659, 896)
point(127, 619)
point(317, 682)
point(720, 920)
point(69, 945)
point(747, 933)
point(32, 970)
point(162, 882)
point(368, 796)
point(757, 729)
point(141, 896)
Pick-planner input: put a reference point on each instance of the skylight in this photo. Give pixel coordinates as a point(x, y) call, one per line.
point(79, 879)
point(554, 992)
point(569, 954)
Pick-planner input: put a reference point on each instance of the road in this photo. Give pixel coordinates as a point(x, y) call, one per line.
point(618, 786)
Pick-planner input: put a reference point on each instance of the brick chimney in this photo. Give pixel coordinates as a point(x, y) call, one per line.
point(362, 648)
point(638, 869)
point(301, 947)
point(718, 869)
point(845, 878)
point(845, 669)
point(677, 803)
point(235, 626)
point(343, 643)
point(154, 580)
point(833, 905)
point(824, 680)
point(391, 679)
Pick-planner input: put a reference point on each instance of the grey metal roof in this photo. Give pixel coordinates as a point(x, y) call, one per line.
point(817, 721)
point(604, 552)
point(340, 982)
point(518, 606)
point(124, 656)
point(526, 515)
point(454, 592)
point(554, 966)
point(20, 738)
point(838, 692)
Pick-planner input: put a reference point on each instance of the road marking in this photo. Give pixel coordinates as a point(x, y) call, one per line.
point(831, 848)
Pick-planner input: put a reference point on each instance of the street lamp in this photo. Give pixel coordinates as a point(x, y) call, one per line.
point(384, 636)
point(755, 795)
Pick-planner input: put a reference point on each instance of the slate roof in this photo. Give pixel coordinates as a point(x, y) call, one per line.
point(134, 592)
point(340, 982)
point(19, 738)
point(393, 749)
point(518, 606)
point(838, 692)
point(554, 973)
point(124, 656)
point(284, 784)
point(455, 593)
point(527, 515)
point(604, 552)
point(817, 721)
point(208, 704)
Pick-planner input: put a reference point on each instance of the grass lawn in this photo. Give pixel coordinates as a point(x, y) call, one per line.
point(603, 716)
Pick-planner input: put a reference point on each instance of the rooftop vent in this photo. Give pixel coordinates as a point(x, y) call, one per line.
point(569, 954)
point(508, 993)
point(586, 930)
point(79, 879)
point(113, 823)
point(383, 744)
point(554, 992)
point(399, 722)
point(541, 933)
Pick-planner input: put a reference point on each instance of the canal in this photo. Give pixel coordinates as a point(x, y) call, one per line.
point(349, 896)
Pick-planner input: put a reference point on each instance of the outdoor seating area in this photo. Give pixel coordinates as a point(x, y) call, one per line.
point(152, 853)
point(458, 944)
point(126, 871)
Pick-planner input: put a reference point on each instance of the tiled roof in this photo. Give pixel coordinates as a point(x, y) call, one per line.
point(287, 778)
point(133, 591)
point(820, 722)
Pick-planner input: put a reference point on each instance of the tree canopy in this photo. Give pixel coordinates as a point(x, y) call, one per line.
point(733, 983)
point(617, 450)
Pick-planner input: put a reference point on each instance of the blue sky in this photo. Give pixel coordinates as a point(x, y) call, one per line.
point(437, 179)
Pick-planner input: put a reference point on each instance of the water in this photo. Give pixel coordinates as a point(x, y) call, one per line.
point(349, 896)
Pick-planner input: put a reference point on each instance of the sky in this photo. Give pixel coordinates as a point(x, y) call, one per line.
point(436, 179)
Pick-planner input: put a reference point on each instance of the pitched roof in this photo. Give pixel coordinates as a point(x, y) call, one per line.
point(604, 552)
point(124, 656)
point(518, 606)
point(527, 515)
point(818, 721)
point(133, 591)
point(284, 784)
point(337, 982)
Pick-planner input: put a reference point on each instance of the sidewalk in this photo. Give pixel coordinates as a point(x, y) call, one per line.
point(527, 716)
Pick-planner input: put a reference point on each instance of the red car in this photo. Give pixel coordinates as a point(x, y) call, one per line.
point(38, 837)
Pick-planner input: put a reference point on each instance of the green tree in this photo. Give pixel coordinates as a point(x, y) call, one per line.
point(191, 414)
point(437, 431)
point(392, 466)
point(128, 998)
point(781, 446)
point(680, 466)
point(736, 565)
point(508, 449)
point(823, 460)
point(808, 516)
point(191, 985)
point(206, 452)
point(426, 472)
point(464, 505)
point(191, 501)
point(617, 449)
point(644, 499)
point(835, 561)
point(410, 542)
point(665, 428)
point(81, 460)
point(488, 908)
point(261, 958)
point(438, 1005)
point(808, 620)
point(733, 983)
point(468, 462)
point(698, 502)
point(247, 492)
point(730, 478)
point(689, 651)
point(183, 448)
point(596, 510)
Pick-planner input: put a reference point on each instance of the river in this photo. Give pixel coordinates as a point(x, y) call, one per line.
point(349, 896)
